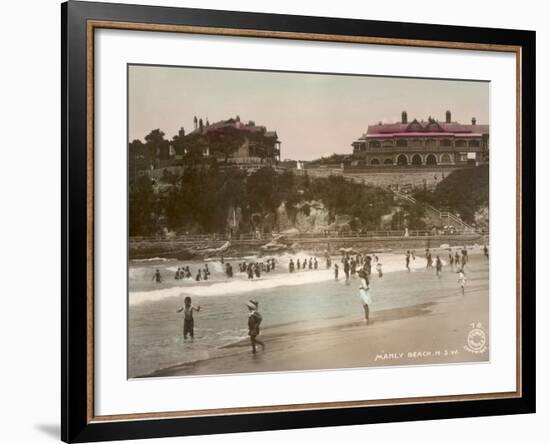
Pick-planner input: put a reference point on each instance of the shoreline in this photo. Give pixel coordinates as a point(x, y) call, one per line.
point(428, 333)
point(276, 334)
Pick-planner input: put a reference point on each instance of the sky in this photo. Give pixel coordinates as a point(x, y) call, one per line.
point(314, 114)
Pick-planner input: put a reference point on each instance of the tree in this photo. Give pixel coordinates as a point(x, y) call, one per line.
point(158, 146)
point(144, 210)
point(225, 141)
point(138, 158)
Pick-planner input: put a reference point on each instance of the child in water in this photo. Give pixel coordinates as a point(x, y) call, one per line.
point(379, 269)
point(156, 277)
point(188, 322)
point(438, 266)
point(254, 321)
point(462, 280)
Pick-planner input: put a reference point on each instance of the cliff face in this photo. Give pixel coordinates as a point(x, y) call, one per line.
point(310, 217)
point(306, 217)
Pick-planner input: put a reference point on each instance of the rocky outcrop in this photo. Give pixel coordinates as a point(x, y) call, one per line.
point(481, 217)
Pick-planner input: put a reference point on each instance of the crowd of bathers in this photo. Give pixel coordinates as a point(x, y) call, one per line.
point(254, 270)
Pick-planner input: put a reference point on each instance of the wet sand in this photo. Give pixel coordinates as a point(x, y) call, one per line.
point(434, 332)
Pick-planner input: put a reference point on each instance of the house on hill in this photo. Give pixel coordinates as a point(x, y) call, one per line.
point(422, 143)
point(231, 142)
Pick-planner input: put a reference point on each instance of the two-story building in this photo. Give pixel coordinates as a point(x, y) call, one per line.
point(422, 143)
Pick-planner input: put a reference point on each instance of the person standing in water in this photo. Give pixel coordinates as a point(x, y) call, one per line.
point(157, 277)
point(465, 254)
point(408, 261)
point(486, 251)
point(188, 321)
point(368, 265)
point(254, 321)
point(463, 260)
point(228, 270)
point(365, 295)
point(379, 269)
point(346, 270)
point(438, 266)
point(462, 280)
point(336, 272)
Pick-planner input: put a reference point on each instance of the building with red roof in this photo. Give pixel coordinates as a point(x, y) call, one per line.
point(419, 143)
point(232, 141)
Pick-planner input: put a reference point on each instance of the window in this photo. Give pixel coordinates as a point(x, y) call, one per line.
point(402, 160)
point(416, 160)
point(431, 160)
point(374, 144)
point(402, 142)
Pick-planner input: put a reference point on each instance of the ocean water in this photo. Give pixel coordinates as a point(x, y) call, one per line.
point(155, 328)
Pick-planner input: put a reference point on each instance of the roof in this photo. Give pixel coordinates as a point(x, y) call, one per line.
point(423, 128)
point(233, 123)
point(422, 134)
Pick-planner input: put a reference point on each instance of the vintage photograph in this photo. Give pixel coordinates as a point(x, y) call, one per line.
point(290, 221)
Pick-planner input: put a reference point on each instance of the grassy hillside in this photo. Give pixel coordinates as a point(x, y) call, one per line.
point(463, 192)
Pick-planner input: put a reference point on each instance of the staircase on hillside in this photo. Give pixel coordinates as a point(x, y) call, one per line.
point(444, 218)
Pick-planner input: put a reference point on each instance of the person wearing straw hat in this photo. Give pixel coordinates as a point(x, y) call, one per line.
point(254, 321)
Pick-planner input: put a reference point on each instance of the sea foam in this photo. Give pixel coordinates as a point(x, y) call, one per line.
point(240, 285)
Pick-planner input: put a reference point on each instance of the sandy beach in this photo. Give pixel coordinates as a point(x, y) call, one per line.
point(446, 327)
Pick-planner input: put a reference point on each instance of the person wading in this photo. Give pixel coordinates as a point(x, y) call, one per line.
point(254, 321)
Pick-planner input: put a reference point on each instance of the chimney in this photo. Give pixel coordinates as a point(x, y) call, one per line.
point(404, 117)
point(448, 117)
point(474, 120)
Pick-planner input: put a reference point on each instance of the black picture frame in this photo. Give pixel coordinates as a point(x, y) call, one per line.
point(76, 327)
